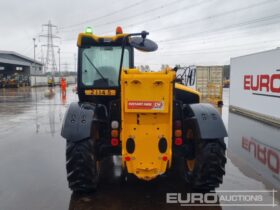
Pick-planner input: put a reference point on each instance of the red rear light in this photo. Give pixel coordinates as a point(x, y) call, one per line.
point(115, 142)
point(127, 158)
point(178, 141)
point(164, 158)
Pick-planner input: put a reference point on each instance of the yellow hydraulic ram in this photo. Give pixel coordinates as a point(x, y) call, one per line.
point(146, 134)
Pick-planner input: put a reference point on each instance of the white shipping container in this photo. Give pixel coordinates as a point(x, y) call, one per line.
point(204, 76)
point(43, 80)
point(70, 79)
point(255, 83)
point(38, 80)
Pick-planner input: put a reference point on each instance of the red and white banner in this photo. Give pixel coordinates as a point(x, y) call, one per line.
point(147, 105)
point(255, 82)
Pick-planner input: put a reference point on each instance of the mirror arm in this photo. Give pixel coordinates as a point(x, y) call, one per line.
point(143, 34)
point(122, 55)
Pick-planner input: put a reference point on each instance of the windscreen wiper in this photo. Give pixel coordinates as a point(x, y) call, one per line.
point(96, 69)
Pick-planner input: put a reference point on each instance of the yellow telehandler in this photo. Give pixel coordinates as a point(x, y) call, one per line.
point(147, 118)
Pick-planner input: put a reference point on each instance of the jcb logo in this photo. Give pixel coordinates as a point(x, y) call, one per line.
point(158, 105)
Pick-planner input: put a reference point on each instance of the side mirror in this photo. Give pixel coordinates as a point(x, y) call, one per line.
point(143, 44)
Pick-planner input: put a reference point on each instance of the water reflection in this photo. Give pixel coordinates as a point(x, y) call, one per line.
point(32, 173)
point(254, 148)
point(116, 193)
point(17, 106)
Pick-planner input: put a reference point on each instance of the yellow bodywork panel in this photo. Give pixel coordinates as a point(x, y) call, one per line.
point(188, 89)
point(147, 103)
point(97, 38)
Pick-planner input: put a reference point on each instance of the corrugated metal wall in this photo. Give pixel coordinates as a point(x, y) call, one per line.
point(206, 75)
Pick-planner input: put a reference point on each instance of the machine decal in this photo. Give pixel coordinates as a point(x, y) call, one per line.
point(148, 105)
point(100, 92)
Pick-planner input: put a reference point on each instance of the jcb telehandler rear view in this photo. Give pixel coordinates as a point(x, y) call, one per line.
point(147, 118)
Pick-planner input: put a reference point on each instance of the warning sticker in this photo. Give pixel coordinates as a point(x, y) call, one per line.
point(148, 105)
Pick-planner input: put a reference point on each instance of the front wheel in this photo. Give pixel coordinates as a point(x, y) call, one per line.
point(81, 166)
point(205, 172)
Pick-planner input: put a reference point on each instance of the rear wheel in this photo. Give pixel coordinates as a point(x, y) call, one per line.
point(82, 167)
point(206, 170)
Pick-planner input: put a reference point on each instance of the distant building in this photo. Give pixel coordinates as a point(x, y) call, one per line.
point(227, 72)
point(12, 63)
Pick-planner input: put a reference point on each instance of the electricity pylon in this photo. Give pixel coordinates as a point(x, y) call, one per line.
point(50, 63)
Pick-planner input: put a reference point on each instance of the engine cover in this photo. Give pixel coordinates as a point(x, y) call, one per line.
point(146, 129)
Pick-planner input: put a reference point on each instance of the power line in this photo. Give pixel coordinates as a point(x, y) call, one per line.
point(253, 21)
point(139, 14)
point(214, 16)
point(150, 11)
point(169, 13)
point(213, 32)
point(228, 46)
point(218, 36)
point(104, 16)
point(197, 20)
point(218, 49)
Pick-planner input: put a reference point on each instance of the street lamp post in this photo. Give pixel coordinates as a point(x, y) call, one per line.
point(34, 63)
point(59, 62)
point(36, 99)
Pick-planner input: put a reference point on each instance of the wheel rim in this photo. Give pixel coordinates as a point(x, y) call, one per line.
point(190, 163)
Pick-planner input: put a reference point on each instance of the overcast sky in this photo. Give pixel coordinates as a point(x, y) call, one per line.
point(200, 32)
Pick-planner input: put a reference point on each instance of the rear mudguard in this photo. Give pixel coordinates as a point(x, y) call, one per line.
point(78, 121)
point(207, 120)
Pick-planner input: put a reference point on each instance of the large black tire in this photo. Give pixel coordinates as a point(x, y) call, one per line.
point(81, 166)
point(209, 165)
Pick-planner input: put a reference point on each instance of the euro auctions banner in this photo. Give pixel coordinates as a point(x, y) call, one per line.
point(255, 82)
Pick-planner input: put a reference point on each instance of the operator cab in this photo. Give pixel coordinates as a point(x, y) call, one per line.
point(99, 65)
point(100, 60)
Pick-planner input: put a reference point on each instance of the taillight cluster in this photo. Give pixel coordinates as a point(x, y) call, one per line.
point(115, 133)
point(178, 140)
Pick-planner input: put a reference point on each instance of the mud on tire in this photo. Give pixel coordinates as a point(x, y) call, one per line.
point(209, 167)
point(81, 166)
